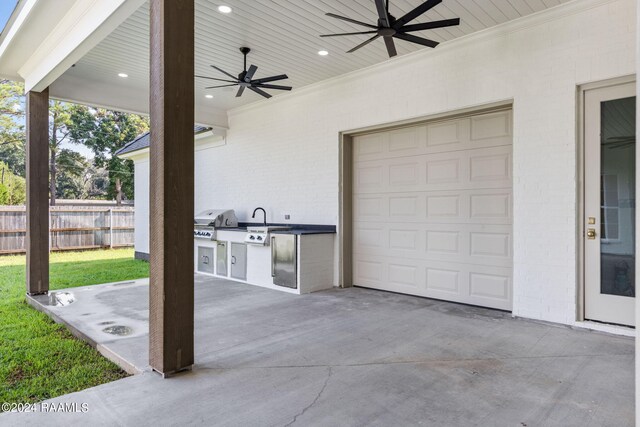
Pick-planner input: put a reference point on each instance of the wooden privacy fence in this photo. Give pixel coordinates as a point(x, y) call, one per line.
point(71, 228)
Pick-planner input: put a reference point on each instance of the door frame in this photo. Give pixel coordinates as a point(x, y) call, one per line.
point(580, 189)
point(345, 179)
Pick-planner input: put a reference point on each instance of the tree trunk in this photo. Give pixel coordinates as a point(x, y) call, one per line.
point(52, 176)
point(118, 192)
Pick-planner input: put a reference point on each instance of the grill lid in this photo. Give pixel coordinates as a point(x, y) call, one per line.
point(218, 218)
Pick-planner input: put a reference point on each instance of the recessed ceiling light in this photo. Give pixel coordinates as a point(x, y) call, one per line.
point(323, 53)
point(123, 75)
point(224, 9)
point(208, 96)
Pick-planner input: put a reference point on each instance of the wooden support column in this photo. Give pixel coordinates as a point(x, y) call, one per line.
point(171, 186)
point(37, 238)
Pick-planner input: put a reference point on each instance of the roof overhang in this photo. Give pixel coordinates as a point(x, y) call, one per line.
point(44, 38)
point(203, 140)
point(57, 34)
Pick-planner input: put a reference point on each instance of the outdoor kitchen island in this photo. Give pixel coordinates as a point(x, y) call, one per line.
point(294, 258)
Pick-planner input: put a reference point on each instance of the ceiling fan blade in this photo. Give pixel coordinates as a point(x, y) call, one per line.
point(271, 79)
point(429, 4)
point(348, 34)
point(382, 13)
point(353, 21)
point(215, 87)
point(225, 73)
point(220, 80)
point(417, 40)
point(363, 44)
point(391, 47)
point(252, 70)
point(259, 91)
point(240, 91)
point(430, 25)
point(278, 87)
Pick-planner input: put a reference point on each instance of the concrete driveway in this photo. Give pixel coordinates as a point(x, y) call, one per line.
point(350, 357)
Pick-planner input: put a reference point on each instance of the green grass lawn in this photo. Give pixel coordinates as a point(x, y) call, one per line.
point(40, 359)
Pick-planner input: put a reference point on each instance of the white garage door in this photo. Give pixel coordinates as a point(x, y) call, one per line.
point(432, 210)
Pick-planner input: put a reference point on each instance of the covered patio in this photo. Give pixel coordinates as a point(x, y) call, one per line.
point(493, 215)
point(345, 357)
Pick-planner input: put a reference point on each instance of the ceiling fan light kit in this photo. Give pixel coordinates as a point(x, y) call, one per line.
point(388, 27)
point(245, 79)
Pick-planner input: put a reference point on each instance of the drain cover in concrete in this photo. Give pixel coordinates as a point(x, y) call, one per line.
point(119, 330)
point(58, 299)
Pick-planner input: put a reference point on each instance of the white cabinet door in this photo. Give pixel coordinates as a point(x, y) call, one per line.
point(432, 210)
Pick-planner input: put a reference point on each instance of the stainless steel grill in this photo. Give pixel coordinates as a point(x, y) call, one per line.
point(208, 221)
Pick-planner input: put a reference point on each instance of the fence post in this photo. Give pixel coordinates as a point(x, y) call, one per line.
point(110, 228)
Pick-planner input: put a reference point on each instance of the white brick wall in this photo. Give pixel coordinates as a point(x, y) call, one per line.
point(141, 197)
point(282, 154)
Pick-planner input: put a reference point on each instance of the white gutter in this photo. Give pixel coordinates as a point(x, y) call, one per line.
point(14, 27)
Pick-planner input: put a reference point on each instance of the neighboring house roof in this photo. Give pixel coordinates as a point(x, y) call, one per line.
point(144, 140)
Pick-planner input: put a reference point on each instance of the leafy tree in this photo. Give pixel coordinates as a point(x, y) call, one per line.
point(12, 130)
point(13, 189)
point(4, 194)
point(60, 127)
point(96, 182)
point(71, 175)
point(105, 132)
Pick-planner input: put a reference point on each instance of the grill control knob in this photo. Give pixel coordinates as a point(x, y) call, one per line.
point(252, 237)
point(259, 237)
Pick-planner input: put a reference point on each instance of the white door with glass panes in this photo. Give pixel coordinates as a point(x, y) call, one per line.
point(609, 197)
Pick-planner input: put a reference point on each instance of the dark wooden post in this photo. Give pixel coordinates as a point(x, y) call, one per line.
point(37, 239)
point(171, 186)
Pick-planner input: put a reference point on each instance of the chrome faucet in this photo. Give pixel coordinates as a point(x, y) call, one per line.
point(263, 212)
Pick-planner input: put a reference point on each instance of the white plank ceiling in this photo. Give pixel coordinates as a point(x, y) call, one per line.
point(283, 36)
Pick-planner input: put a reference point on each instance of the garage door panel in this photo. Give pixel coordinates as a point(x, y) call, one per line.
point(433, 210)
point(372, 146)
point(473, 244)
point(369, 239)
point(370, 207)
point(471, 284)
point(440, 280)
point(492, 166)
point(449, 135)
point(491, 126)
point(492, 206)
point(471, 169)
point(407, 141)
point(482, 131)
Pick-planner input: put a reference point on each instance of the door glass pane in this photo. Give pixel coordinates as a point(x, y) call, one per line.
point(617, 197)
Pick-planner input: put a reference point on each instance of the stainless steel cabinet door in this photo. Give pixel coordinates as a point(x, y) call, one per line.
point(283, 260)
point(239, 261)
point(221, 259)
point(205, 259)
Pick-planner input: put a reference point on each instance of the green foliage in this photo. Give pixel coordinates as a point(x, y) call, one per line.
point(12, 131)
point(4, 194)
point(71, 181)
point(14, 189)
point(40, 359)
point(105, 132)
point(71, 175)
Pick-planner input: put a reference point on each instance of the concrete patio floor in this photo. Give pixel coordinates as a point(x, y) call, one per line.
point(347, 357)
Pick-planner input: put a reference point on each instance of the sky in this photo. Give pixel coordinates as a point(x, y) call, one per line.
point(6, 7)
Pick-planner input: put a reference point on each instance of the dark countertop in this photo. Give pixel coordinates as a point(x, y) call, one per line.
point(301, 231)
point(298, 229)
